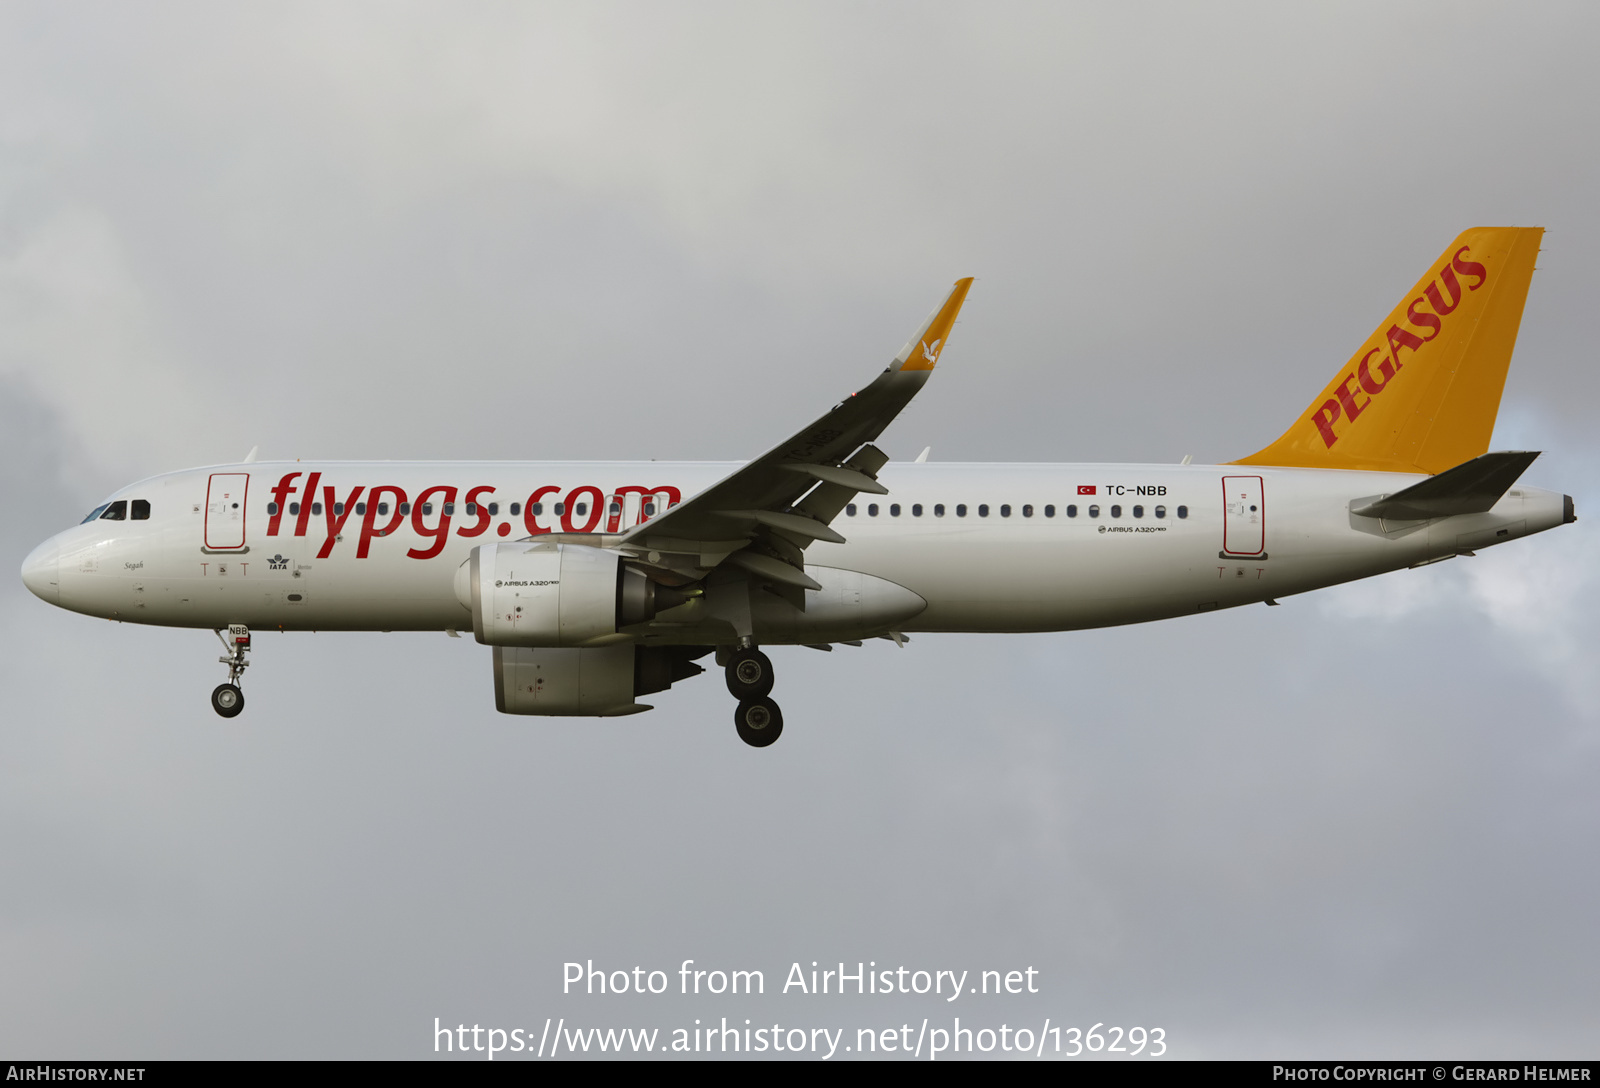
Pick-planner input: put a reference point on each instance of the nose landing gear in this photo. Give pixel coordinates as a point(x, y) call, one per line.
point(227, 700)
point(758, 720)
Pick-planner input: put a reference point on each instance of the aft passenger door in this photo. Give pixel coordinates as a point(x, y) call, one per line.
point(1244, 516)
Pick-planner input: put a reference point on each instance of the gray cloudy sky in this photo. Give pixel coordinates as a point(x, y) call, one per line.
point(1360, 824)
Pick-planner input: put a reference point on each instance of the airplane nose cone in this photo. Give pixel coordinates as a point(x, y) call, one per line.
point(39, 572)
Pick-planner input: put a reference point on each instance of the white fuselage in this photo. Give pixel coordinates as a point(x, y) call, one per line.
point(1034, 549)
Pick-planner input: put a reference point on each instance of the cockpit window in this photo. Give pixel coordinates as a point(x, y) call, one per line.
point(117, 511)
point(141, 510)
point(96, 512)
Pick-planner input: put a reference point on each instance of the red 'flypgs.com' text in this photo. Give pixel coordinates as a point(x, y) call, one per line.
point(384, 508)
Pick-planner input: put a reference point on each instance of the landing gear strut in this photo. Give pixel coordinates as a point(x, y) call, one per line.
point(758, 719)
point(227, 700)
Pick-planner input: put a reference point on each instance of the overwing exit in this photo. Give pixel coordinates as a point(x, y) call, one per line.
point(597, 583)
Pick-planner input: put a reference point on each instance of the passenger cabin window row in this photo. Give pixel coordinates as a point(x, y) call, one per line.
point(1027, 510)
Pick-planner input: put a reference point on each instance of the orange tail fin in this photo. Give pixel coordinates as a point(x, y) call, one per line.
point(1422, 393)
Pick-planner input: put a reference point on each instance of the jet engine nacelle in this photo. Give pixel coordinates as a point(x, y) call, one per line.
point(540, 594)
point(592, 681)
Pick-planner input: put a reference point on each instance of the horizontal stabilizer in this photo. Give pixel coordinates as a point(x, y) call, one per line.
point(1470, 488)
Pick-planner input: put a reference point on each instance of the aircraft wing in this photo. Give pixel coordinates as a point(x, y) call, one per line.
point(763, 516)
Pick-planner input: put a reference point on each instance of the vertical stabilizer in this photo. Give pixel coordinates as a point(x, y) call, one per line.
point(1422, 393)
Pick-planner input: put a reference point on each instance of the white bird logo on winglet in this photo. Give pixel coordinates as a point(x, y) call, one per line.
point(931, 354)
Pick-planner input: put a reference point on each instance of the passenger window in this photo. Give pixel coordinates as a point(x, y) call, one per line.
point(472, 509)
point(117, 511)
point(427, 509)
point(95, 513)
point(1094, 511)
point(1005, 510)
point(1138, 511)
point(516, 508)
point(338, 509)
point(1049, 511)
point(294, 508)
point(405, 508)
point(872, 509)
point(494, 509)
point(361, 509)
point(1183, 511)
point(1116, 511)
point(383, 508)
point(615, 509)
point(582, 510)
point(649, 510)
point(537, 508)
point(983, 509)
point(316, 508)
point(449, 509)
point(850, 509)
point(1072, 511)
point(894, 509)
point(938, 509)
point(272, 508)
point(560, 509)
point(1161, 511)
point(1027, 511)
point(961, 509)
point(916, 509)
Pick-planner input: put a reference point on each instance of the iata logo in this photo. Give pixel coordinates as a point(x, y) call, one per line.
point(1343, 403)
point(277, 562)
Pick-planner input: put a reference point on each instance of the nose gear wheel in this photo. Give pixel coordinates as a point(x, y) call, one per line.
point(227, 700)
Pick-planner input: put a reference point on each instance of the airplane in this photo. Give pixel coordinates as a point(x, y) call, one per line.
point(595, 583)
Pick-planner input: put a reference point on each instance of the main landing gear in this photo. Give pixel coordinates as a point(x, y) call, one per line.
point(227, 700)
point(758, 719)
